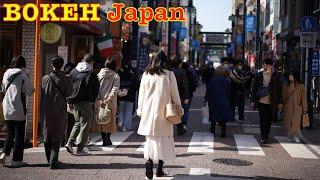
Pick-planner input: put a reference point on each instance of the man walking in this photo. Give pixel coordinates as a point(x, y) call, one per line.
point(56, 87)
point(81, 102)
point(267, 97)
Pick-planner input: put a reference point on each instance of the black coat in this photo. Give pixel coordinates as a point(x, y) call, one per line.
point(275, 91)
point(182, 82)
point(53, 111)
point(86, 86)
point(128, 80)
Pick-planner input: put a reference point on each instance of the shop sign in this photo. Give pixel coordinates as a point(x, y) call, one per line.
point(50, 33)
point(308, 39)
point(251, 23)
point(315, 63)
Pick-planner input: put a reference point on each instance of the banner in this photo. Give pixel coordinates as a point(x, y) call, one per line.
point(251, 23)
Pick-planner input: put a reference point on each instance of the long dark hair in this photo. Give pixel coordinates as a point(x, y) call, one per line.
point(157, 64)
point(296, 76)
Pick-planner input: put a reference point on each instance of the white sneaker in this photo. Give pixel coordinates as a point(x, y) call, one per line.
point(3, 158)
point(69, 147)
point(18, 164)
point(124, 129)
point(296, 139)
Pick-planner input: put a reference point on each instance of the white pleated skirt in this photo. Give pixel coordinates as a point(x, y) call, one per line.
point(159, 148)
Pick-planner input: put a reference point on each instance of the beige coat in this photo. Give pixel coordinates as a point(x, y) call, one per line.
point(154, 95)
point(109, 87)
point(295, 103)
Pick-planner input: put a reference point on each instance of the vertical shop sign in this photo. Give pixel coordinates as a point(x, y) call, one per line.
point(144, 47)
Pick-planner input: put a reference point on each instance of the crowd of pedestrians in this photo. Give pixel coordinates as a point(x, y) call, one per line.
point(81, 100)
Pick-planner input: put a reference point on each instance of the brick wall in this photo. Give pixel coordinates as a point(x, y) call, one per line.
point(28, 34)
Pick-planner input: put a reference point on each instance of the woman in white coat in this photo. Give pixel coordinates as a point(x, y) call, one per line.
point(158, 86)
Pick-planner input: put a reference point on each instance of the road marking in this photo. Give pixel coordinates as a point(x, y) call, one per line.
point(200, 172)
point(251, 130)
point(39, 150)
point(295, 150)
point(141, 148)
point(312, 146)
point(248, 145)
point(201, 142)
point(116, 138)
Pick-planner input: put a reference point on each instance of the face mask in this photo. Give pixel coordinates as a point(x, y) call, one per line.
point(291, 79)
point(240, 67)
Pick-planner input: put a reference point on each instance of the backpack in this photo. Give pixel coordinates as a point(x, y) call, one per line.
point(81, 88)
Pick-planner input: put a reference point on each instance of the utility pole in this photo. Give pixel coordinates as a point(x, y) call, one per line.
point(244, 30)
point(258, 55)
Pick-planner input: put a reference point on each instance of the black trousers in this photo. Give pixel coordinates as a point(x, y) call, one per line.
point(240, 102)
point(52, 150)
point(265, 114)
point(15, 139)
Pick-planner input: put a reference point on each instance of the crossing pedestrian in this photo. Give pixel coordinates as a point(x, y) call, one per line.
point(158, 87)
point(267, 97)
point(218, 97)
point(16, 85)
point(108, 93)
point(193, 83)
point(55, 89)
point(295, 106)
point(81, 102)
point(239, 79)
point(183, 87)
point(129, 84)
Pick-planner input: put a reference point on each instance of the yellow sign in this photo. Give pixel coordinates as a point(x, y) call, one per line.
point(50, 33)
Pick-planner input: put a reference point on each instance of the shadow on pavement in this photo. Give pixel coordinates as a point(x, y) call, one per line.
point(100, 166)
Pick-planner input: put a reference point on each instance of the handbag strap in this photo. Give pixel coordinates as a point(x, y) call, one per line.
point(11, 81)
point(169, 81)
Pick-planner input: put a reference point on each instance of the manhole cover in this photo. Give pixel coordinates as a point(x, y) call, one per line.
point(233, 162)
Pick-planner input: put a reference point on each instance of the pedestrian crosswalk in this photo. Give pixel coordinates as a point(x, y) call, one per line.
point(248, 145)
point(204, 143)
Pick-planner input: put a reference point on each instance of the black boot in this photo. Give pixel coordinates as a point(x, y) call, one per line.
point(149, 169)
point(180, 129)
point(160, 172)
point(213, 128)
point(106, 139)
point(223, 129)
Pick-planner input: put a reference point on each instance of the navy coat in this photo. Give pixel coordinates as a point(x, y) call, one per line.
point(218, 97)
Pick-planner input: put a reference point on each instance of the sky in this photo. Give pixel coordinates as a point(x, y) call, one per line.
point(214, 14)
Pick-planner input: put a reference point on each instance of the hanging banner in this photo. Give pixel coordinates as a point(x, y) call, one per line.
point(144, 49)
point(315, 63)
point(251, 23)
point(183, 33)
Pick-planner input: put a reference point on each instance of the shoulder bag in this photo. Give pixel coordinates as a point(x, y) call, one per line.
point(173, 112)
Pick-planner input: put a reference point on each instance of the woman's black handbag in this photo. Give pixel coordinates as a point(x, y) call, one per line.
point(263, 92)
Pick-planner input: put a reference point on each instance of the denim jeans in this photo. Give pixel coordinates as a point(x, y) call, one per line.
point(15, 138)
point(186, 108)
point(125, 114)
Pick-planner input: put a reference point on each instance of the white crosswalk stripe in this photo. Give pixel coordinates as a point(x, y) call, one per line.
point(200, 172)
point(248, 145)
point(116, 138)
point(295, 150)
point(201, 142)
point(140, 149)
